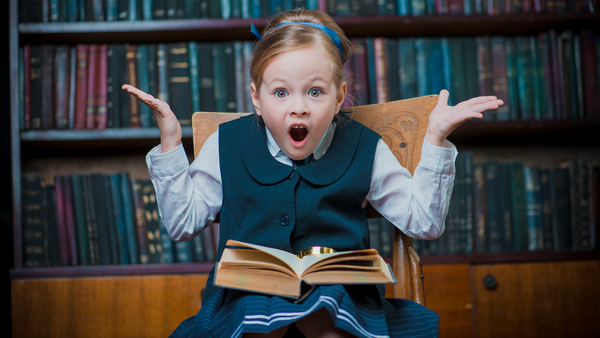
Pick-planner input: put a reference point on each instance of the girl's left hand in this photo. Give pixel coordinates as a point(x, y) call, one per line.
point(444, 118)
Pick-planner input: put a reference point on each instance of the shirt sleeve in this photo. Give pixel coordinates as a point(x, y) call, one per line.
point(189, 196)
point(416, 205)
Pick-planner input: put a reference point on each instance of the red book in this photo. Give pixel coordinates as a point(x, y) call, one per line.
point(359, 60)
point(70, 220)
point(27, 86)
point(134, 106)
point(61, 86)
point(61, 222)
point(381, 70)
point(455, 7)
point(81, 86)
point(101, 89)
point(589, 67)
point(92, 83)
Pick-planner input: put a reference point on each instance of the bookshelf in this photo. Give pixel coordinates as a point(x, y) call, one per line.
point(32, 147)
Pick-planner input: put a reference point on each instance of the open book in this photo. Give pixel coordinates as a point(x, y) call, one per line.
point(267, 270)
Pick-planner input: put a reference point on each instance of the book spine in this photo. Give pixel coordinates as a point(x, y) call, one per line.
point(500, 83)
point(393, 70)
point(33, 236)
point(594, 204)
point(92, 82)
point(468, 204)
point(538, 78)
point(81, 88)
point(370, 53)
point(26, 92)
point(132, 73)
point(70, 221)
point(61, 86)
point(194, 78)
point(494, 211)
point(546, 209)
point(144, 83)
point(111, 221)
point(561, 208)
point(48, 106)
point(63, 238)
point(179, 82)
point(525, 77)
point(381, 70)
point(421, 71)
point(361, 85)
point(512, 78)
point(590, 74)
point(408, 77)
point(83, 251)
point(219, 77)
point(519, 206)
point(534, 207)
point(140, 219)
point(239, 80)
point(480, 208)
point(51, 246)
point(72, 86)
point(102, 87)
point(583, 168)
point(102, 222)
point(205, 75)
point(113, 88)
point(162, 72)
point(152, 224)
point(90, 219)
point(129, 218)
point(231, 80)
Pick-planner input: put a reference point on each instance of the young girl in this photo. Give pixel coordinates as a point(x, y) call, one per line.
point(297, 174)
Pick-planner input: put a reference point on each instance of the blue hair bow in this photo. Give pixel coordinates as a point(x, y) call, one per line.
point(330, 32)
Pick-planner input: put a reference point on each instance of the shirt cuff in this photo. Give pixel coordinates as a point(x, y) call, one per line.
point(439, 159)
point(166, 164)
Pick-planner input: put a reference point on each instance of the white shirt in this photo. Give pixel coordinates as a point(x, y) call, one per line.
point(190, 196)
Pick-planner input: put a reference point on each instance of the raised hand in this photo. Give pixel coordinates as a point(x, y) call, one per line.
point(444, 118)
point(170, 129)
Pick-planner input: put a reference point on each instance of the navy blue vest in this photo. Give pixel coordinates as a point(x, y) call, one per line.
point(319, 204)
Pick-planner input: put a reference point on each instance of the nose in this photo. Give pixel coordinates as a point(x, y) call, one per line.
point(299, 106)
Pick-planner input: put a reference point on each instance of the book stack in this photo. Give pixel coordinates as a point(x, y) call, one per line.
point(499, 206)
point(133, 10)
point(456, 7)
point(547, 76)
point(100, 219)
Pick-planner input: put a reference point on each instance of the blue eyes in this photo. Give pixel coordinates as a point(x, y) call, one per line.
point(280, 93)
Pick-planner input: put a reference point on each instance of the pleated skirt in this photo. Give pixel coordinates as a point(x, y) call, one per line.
point(357, 309)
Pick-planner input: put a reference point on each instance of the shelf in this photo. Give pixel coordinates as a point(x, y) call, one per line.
point(217, 29)
point(511, 257)
point(111, 270)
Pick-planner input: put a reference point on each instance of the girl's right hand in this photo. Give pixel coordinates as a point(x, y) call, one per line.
point(168, 125)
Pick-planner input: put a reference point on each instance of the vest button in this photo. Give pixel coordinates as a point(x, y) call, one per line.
point(285, 220)
point(291, 176)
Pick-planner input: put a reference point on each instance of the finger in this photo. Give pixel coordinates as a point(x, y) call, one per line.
point(487, 106)
point(443, 98)
point(481, 99)
point(136, 92)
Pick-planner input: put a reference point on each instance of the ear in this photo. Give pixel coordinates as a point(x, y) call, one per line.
point(255, 102)
point(341, 95)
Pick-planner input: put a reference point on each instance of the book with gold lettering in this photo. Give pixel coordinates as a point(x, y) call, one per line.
point(273, 271)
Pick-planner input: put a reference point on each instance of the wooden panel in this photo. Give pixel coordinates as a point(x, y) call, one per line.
point(447, 292)
point(137, 306)
point(538, 300)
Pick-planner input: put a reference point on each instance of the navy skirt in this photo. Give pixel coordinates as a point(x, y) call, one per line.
point(358, 309)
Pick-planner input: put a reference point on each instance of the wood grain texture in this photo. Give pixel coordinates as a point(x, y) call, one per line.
point(554, 299)
point(136, 306)
point(402, 125)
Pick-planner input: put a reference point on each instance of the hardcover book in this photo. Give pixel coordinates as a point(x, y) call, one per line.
point(272, 271)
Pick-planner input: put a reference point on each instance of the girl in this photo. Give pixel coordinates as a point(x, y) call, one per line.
point(297, 174)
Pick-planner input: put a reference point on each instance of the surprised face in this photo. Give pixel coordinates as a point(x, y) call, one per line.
point(298, 99)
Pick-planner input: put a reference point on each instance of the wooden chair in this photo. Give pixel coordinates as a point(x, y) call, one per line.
point(402, 125)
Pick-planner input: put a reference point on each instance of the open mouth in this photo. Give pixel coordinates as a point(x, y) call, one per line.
point(298, 133)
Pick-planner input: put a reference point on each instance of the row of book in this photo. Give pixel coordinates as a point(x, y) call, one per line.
point(548, 76)
point(132, 10)
point(499, 206)
point(113, 10)
point(456, 7)
point(101, 219)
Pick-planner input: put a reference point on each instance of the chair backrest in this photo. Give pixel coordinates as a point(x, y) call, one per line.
point(402, 125)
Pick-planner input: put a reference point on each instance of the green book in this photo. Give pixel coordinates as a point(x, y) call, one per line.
point(231, 77)
point(505, 205)
point(119, 216)
point(585, 232)
point(539, 78)
point(239, 76)
point(179, 82)
point(500, 82)
point(435, 66)
point(512, 83)
point(205, 75)
point(112, 10)
point(129, 218)
point(114, 92)
point(470, 69)
point(32, 197)
point(168, 255)
point(247, 51)
point(448, 71)
point(574, 201)
point(393, 69)
point(152, 78)
point(370, 53)
point(519, 206)
point(546, 209)
point(80, 220)
point(90, 220)
point(561, 208)
point(162, 72)
point(143, 83)
point(534, 208)
point(219, 77)
point(495, 215)
point(111, 220)
point(198, 249)
point(458, 81)
point(103, 218)
point(183, 251)
point(525, 78)
point(407, 68)
point(421, 69)
point(194, 79)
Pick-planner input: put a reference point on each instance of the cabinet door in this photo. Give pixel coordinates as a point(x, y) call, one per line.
point(132, 306)
point(557, 299)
